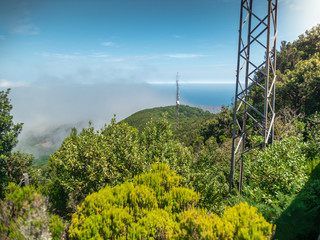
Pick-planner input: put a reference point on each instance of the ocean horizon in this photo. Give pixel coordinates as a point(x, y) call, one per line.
point(213, 94)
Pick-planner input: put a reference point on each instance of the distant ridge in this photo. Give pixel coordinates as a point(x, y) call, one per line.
point(187, 114)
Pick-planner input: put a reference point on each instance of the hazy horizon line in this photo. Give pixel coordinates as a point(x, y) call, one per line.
point(190, 82)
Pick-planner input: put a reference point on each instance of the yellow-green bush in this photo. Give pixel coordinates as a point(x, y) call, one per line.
point(161, 179)
point(153, 206)
point(179, 199)
point(198, 224)
point(246, 222)
point(156, 224)
point(238, 222)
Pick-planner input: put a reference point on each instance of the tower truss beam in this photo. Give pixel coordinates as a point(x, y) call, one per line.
point(256, 69)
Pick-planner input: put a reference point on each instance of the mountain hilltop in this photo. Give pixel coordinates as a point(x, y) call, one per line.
point(186, 114)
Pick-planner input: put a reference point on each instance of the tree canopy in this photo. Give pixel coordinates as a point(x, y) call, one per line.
point(12, 165)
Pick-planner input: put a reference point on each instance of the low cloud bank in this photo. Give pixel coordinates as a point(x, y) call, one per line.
point(44, 107)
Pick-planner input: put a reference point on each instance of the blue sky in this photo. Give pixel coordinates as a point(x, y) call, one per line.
point(129, 40)
point(49, 45)
point(116, 40)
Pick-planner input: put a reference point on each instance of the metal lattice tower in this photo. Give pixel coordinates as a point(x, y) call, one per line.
point(256, 70)
point(177, 100)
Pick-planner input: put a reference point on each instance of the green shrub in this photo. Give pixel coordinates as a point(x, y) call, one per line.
point(313, 141)
point(209, 173)
point(280, 168)
point(23, 214)
point(90, 160)
point(153, 206)
point(58, 197)
point(198, 224)
point(246, 223)
point(158, 145)
point(299, 87)
point(116, 211)
point(56, 227)
point(238, 222)
point(156, 224)
point(301, 220)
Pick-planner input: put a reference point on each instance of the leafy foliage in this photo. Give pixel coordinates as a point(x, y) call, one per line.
point(187, 114)
point(92, 159)
point(15, 164)
point(280, 168)
point(238, 222)
point(301, 219)
point(308, 43)
point(9, 130)
point(56, 227)
point(246, 222)
point(300, 87)
point(302, 49)
point(58, 197)
point(158, 145)
point(128, 209)
point(313, 137)
point(299, 69)
point(219, 126)
point(23, 214)
point(209, 172)
point(155, 207)
point(11, 165)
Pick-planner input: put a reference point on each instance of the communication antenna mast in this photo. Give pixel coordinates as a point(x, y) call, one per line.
point(177, 101)
point(256, 68)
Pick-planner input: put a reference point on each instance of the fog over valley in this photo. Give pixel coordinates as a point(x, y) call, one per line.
point(44, 108)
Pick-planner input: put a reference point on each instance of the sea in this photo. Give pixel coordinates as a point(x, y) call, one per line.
point(213, 94)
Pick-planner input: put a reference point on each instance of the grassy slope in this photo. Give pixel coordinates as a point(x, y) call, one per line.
point(187, 115)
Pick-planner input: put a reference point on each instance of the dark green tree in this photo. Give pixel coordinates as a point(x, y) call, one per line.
point(8, 130)
point(300, 88)
point(8, 140)
point(92, 159)
point(158, 145)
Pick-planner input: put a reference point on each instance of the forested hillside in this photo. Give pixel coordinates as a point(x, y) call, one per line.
point(141, 179)
point(187, 114)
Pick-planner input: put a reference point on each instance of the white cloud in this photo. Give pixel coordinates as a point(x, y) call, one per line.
point(99, 55)
point(107, 44)
point(8, 84)
point(183, 55)
point(177, 36)
point(26, 29)
point(119, 59)
point(68, 56)
point(189, 82)
point(64, 56)
point(42, 105)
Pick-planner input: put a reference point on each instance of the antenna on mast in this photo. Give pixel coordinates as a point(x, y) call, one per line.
point(177, 101)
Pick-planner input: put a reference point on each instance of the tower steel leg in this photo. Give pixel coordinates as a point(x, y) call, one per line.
point(256, 69)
